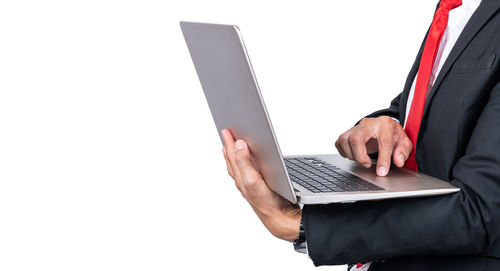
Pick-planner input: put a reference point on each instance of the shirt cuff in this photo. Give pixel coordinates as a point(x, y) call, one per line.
point(396, 120)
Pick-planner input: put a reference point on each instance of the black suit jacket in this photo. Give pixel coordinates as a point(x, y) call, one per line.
point(459, 141)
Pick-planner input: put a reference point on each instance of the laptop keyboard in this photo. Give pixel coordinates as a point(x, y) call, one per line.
point(319, 177)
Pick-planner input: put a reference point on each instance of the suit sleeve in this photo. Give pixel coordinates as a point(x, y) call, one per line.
point(466, 222)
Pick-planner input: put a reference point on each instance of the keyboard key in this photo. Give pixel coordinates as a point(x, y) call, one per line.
point(338, 189)
point(348, 188)
point(360, 187)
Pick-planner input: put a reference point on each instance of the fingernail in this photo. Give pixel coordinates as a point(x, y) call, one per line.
point(367, 165)
point(239, 145)
point(402, 157)
point(381, 171)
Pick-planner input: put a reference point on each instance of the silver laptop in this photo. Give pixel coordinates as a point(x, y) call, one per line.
point(234, 98)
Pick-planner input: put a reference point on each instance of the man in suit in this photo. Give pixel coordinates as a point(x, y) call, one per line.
point(445, 123)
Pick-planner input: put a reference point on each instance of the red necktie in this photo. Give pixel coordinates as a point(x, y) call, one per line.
point(424, 73)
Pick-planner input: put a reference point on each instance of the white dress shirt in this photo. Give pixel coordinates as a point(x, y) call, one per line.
point(458, 18)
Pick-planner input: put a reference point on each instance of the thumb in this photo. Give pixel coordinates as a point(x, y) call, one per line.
point(402, 152)
point(242, 156)
point(251, 179)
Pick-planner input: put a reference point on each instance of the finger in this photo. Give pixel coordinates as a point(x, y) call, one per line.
point(385, 149)
point(402, 151)
point(358, 150)
point(229, 169)
point(228, 139)
point(339, 149)
point(344, 144)
point(250, 177)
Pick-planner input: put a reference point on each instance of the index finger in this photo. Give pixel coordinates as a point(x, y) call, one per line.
point(385, 148)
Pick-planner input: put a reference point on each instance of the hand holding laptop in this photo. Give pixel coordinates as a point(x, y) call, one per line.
point(281, 217)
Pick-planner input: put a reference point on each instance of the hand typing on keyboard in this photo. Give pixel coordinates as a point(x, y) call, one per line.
point(383, 135)
point(280, 217)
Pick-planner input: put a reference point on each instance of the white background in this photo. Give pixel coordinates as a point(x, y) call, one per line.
point(109, 158)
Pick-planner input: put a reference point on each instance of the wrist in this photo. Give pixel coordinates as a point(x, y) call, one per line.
point(287, 225)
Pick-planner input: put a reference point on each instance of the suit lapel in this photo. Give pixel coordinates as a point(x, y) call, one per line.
point(483, 13)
